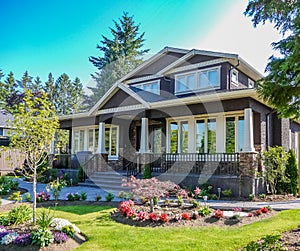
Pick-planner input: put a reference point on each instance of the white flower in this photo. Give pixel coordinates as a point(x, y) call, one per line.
point(2, 229)
point(59, 223)
point(9, 238)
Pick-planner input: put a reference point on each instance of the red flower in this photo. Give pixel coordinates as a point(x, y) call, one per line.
point(219, 214)
point(185, 216)
point(153, 216)
point(258, 212)
point(264, 210)
point(250, 214)
point(164, 218)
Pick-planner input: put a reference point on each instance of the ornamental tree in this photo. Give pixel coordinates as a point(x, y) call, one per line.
point(34, 128)
point(150, 188)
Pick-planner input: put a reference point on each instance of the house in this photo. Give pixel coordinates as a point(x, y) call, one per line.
point(191, 115)
point(5, 117)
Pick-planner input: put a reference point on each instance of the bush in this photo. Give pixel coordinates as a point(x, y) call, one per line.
point(16, 196)
point(7, 184)
point(19, 215)
point(44, 219)
point(204, 211)
point(270, 242)
point(147, 172)
point(227, 192)
point(42, 237)
point(68, 230)
point(80, 174)
point(42, 196)
point(60, 237)
point(27, 197)
point(291, 173)
point(83, 196)
point(109, 197)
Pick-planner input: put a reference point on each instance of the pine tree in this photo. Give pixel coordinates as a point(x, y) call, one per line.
point(121, 54)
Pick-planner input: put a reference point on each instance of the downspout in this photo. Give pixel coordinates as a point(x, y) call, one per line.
point(229, 72)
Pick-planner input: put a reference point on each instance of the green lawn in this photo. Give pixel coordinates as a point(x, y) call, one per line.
point(105, 234)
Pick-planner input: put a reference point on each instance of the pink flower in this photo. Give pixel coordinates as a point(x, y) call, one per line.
point(197, 191)
point(142, 215)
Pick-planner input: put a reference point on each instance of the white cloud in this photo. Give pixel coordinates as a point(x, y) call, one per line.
point(235, 33)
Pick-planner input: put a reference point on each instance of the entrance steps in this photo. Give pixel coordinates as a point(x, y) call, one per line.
point(109, 181)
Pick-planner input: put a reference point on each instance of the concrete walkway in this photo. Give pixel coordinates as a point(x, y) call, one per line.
point(92, 192)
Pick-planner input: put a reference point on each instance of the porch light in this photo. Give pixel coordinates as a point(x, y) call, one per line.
point(219, 192)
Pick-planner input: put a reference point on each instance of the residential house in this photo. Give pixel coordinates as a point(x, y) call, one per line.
point(192, 115)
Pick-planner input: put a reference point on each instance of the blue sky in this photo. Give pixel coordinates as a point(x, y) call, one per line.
point(58, 36)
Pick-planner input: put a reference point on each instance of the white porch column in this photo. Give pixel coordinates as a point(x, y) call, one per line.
point(248, 133)
point(101, 138)
point(144, 148)
point(220, 140)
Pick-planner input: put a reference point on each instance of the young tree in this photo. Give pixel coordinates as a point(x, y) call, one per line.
point(34, 127)
point(120, 55)
point(281, 87)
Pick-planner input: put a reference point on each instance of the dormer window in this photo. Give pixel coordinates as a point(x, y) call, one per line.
point(198, 80)
point(153, 86)
point(234, 77)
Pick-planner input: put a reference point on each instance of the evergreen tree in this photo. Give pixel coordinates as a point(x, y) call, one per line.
point(281, 87)
point(7, 89)
point(121, 54)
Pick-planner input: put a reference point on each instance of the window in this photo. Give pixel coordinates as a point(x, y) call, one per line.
point(206, 140)
point(1, 131)
point(198, 80)
point(234, 77)
point(173, 137)
point(153, 87)
point(250, 83)
point(184, 133)
point(111, 141)
point(200, 136)
point(211, 136)
point(179, 135)
point(78, 144)
point(234, 134)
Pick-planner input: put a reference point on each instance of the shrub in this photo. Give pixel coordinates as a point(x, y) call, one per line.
point(4, 221)
point(80, 174)
point(44, 219)
point(56, 186)
point(16, 196)
point(258, 212)
point(77, 196)
point(218, 214)
point(195, 215)
point(204, 211)
point(126, 208)
point(262, 196)
point(109, 197)
point(7, 184)
point(147, 172)
point(142, 215)
point(19, 215)
point(68, 230)
point(58, 224)
point(251, 197)
point(27, 197)
point(275, 160)
point(42, 237)
point(291, 173)
point(153, 216)
point(227, 192)
point(164, 218)
point(42, 197)
point(185, 216)
point(250, 214)
point(83, 195)
point(98, 197)
point(60, 237)
point(23, 240)
point(264, 210)
point(270, 242)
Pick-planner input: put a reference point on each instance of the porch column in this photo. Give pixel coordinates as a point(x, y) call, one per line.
point(144, 148)
point(101, 138)
point(248, 133)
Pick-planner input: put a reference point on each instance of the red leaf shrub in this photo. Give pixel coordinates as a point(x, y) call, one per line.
point(264, 210)
point(153, 216)
point(218, 214)
point(185, 216)
point(250, 214)
point(164, 218)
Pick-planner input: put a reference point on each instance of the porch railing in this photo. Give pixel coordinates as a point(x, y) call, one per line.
point(196, 163)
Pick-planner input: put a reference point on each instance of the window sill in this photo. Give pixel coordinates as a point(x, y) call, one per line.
point(197, 90)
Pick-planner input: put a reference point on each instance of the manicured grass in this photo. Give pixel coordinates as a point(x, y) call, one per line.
point(105, 234)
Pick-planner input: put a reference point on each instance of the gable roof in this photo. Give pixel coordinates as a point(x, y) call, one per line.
point(113, 90)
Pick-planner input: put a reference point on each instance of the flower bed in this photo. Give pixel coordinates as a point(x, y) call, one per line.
point(173, 215)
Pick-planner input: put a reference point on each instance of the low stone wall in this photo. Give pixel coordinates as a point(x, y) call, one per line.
point(240, 187)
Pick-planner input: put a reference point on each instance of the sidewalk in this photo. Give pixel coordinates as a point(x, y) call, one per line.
point(221, 204)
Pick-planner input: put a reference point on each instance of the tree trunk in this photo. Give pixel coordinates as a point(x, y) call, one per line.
point(151, 205)
point(34, 196)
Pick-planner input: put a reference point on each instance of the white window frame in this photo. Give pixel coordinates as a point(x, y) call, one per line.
point(251, 83)
point(113, 157)
point(142, 86)
point(236, 132)
point(197, 78)
point(235, 82)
